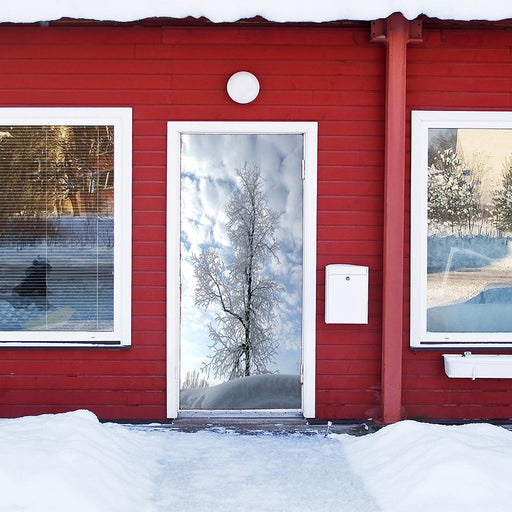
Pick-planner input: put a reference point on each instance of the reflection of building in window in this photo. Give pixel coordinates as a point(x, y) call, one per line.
point(485, 152)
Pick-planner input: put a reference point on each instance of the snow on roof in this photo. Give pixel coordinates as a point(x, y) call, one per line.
point(28, 11)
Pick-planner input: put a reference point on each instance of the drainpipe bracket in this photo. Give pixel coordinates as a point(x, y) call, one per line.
point(379, 31)
point(415, 31)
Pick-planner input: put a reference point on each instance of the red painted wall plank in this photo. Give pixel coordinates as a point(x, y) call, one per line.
point(468, 70)
point(254, 35)
point(332, 75)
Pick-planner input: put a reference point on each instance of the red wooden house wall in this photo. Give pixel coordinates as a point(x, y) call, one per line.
point(331, 74)
point(456, 67)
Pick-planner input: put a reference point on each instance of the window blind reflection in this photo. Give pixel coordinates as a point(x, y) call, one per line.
point(56, 228)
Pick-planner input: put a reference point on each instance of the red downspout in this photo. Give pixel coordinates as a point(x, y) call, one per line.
point(395, 31)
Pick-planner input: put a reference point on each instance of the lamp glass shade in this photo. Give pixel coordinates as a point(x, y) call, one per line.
point(243, 87)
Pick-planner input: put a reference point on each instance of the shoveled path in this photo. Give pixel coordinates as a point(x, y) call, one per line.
point(278, 467)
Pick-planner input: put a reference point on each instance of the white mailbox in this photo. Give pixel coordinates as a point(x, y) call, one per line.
point(346, 294)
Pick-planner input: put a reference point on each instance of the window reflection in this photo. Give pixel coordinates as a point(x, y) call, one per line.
point(56, 228)
point(469, 267)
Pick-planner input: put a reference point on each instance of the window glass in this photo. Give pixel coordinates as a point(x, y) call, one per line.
point(462, 214)
point(58, 236)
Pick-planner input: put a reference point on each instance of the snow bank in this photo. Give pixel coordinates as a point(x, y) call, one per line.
point(421, 467)
point(230, 10)
point(71, 462)
point(255, 392)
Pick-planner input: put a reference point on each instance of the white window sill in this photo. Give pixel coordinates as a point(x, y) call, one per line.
point(61, 345)
point(485, 366)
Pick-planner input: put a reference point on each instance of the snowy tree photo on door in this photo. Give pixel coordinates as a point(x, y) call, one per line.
point(241, 271)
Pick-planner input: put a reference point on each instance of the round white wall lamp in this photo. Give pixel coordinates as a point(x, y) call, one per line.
point(243, 87)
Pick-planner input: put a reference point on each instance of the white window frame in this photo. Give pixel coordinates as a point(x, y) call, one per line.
point(175, 130)
point(420, 124)
point(121, 119)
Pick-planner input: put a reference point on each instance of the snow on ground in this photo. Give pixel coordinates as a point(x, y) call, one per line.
point(420, 467)
point(72, 462)
point(64, 462)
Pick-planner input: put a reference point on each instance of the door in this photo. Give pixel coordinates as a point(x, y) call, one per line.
point(241, 318)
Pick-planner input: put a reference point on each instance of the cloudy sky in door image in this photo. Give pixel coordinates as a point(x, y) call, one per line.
point(208, 177)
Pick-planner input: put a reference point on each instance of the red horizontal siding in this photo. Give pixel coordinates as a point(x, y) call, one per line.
point(105, 366)
point(469, 70)
point(78, 382)
point(331, 75)
point(349, 233)
point(111, 411)
point(148, 263)
point(350, 218)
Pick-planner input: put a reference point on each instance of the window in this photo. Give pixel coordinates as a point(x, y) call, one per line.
point(65, 226)
point(461, 229)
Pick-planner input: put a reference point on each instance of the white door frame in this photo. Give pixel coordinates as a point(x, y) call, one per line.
point(309, 130)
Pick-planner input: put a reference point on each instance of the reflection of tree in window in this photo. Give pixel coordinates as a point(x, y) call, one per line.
point(467, 238)
point(56, 196)
point(502, 202)
point(51, 171)
point(440, 139)
point(453, 193)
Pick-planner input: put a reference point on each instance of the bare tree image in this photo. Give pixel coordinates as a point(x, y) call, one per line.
point(244, 291)
point(502, 202)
